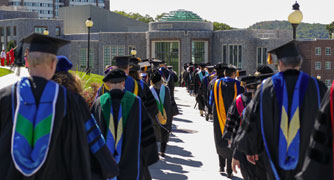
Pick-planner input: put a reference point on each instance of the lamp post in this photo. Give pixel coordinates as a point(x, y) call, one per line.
point(133, 52)
point(46, 32)
point(295, 18)
point(89, 23)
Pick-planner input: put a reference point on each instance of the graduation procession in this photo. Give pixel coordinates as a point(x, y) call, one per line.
point(149, 118)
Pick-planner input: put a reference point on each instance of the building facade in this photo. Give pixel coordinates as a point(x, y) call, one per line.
point(49, 9)
point(318, 56)
point(179, 37)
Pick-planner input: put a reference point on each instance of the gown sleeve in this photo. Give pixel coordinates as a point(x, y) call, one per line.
point(249, 137)
point(319, 160)
point(232, 121)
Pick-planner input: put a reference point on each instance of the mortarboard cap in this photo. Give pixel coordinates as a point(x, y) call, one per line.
point(210, 67)
point(221, 66)
point(115, 76)
point(289, 49)
point(121, 60)
point(64, 64)
point(170, 67)
point(202, 65)
point(43, 43)
point(155, 76)
point(264, 69)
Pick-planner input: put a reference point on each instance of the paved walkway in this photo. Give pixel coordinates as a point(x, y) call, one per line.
point(191, 152)
point(12, 78)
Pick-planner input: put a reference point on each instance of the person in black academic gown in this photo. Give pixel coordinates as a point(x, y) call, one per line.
point(130, 125)
point(223, 93)
point(71, 146)
point(163, 126)
point(169, 79)
point(319, 160)
point(205, 91)
point(199, 93)
point(264, 128)
point(233, 121)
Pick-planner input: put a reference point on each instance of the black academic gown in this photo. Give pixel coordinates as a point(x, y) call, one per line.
point(199, 91)
point(149, 154)
point(250, 140)
point(171, 85)
point(69, 155)
point(319, 160)
point(222, 144)
point(233, 121)
point(148, 100)
point(162, 131)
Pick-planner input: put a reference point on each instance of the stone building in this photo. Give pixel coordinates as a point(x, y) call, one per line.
point(179, 37)
point(318, 58)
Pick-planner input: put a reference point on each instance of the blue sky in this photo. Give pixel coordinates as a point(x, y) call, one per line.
point(236, 13)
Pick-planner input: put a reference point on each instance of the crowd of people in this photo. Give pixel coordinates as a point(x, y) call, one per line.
point(51, 131)
point(270, 125)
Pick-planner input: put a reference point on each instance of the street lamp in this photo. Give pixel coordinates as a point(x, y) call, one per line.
point(133, 52)
point(318, 77)
point(46, 32)
point(295, 18)
point(89, 23)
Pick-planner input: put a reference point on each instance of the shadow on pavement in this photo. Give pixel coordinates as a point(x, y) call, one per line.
point(170, 168)
point(183, 105)
point(175, 150)
point(177, 140)
point(181, 120)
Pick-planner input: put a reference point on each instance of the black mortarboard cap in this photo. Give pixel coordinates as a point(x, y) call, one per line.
point(289, 49)
point(249, 79)
point(221, 66)
point(242, 73)
point(170, 67)
point(210, 67)
point(115, 76)
point(202, 65)
point(156, 62)
point(264, 69)
point(121, 60)
point(43, 43)
point(155, 76)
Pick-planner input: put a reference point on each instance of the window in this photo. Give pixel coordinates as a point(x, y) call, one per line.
point(235, 55)
point(8, 30)
point(117, 50)
point(106, 55)
point(261, 56)
point(328, 65)
point(168, 51)
point(130, 49)
point(328, 51)
point(199, 52)
point(14, 31)
point(40, 29)
point(224, 53)
point(318, 51)
point(328, 82)
point(58, 31)
point(83, 58)
point(317, 65)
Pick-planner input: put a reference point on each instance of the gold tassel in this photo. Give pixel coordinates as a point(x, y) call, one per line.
point(237, 73)
point(269, 59)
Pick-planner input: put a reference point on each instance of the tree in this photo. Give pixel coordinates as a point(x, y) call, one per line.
point(146, 19)
point(330, 29)
point(221, 26)
point(159, 16)
point(10, 45)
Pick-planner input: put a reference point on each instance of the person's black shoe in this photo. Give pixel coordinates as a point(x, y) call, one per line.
point(229, 176)
point(207, 117)
point(221, 170)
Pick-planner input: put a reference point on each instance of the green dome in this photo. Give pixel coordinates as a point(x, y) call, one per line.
point(180, 15)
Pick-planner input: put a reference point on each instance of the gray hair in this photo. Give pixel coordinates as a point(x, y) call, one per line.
point(292, 61)
point(38, 58)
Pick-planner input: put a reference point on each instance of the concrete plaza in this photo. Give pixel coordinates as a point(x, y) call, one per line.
point(191, 152)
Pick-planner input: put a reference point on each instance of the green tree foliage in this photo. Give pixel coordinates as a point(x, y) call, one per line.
point(330, 29)
point(146, 19)
point(304, 30)
point(217, 26)
point(159, 16)
point(10, 45)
